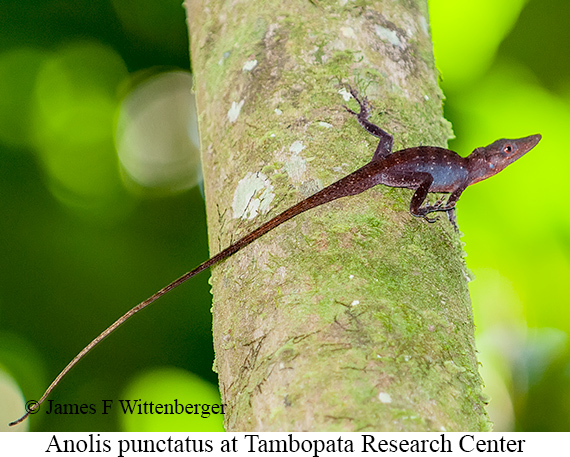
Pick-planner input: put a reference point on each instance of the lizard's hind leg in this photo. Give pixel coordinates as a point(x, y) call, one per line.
point(386, 140)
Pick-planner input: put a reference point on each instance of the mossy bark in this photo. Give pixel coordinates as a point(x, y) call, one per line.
point(354, 316)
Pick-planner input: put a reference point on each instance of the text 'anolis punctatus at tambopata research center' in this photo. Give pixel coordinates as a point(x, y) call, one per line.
point(423, 168)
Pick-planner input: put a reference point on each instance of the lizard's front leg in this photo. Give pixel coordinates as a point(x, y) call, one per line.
point(416, 208)
point(449, 207)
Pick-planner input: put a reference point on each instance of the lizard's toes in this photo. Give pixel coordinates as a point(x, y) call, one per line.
point(349, 110)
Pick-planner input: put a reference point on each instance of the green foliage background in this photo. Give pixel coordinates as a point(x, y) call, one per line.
point(80, 244)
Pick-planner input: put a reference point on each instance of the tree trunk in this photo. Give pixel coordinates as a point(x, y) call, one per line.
point(354, 316)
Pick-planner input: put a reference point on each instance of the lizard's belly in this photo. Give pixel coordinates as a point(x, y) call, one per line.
point(445, 178)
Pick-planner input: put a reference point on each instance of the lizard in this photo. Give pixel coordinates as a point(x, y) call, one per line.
point(424, 169)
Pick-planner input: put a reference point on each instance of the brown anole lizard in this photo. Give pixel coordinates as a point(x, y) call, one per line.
point(423, 168)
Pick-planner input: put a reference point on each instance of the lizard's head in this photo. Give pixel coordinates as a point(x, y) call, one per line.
point(490, 160)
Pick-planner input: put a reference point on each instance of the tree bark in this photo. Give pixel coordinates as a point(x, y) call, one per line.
point(353, 316)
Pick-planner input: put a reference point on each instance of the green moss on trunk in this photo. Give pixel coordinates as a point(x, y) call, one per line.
point(353, 316)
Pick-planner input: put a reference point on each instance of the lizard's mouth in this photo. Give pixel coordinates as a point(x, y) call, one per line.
point(532, 140)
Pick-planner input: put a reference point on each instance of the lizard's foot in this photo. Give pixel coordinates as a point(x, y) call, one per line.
point(430, 209)
point(438, 203)
point(431, 220)
point(363, 103)
point(436, 207)
point(349, 110)
point(423, 213)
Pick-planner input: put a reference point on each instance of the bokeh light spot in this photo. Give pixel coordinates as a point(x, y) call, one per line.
point(164, 385)
point(157, 133)
point(76, 102)
point(11, 404)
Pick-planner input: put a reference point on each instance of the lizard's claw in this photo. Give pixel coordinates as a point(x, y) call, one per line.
point(363, 103)
point(349, 110)
point(423, 213)
point(431, 220)
point(353, 93)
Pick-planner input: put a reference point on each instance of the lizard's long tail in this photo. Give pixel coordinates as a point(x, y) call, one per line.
point(341, 188)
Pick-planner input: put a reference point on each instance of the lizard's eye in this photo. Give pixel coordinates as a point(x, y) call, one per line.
point(508, 149)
